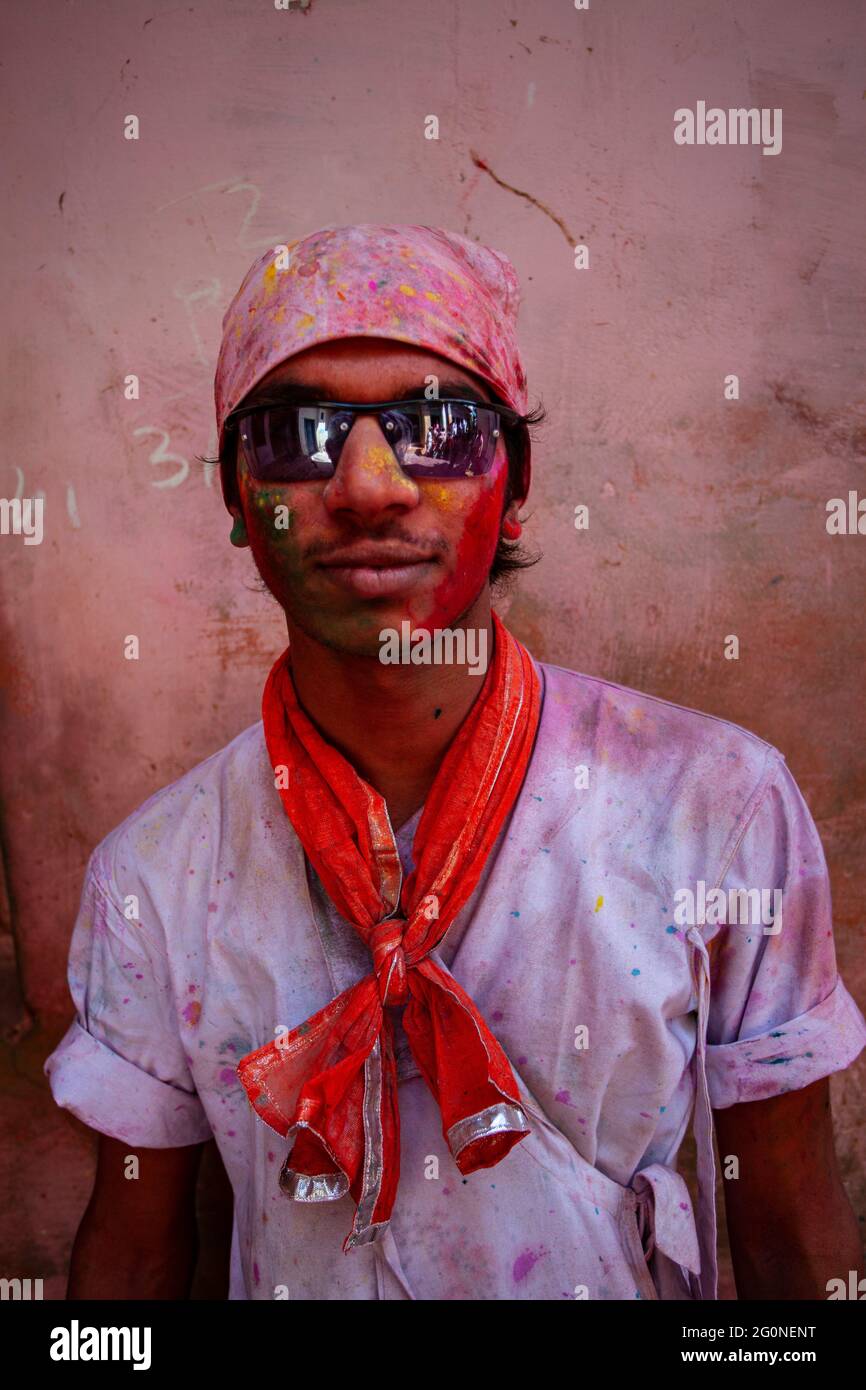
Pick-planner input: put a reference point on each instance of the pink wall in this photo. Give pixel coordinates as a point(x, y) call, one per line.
point(707, 517)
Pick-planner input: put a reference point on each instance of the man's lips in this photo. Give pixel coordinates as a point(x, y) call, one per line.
point(375, 571)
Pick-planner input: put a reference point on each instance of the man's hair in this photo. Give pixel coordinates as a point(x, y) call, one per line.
point(510, 556)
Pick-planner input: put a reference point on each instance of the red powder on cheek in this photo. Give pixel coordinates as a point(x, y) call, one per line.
point(475, 549)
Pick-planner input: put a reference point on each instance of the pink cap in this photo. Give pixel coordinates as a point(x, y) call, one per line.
point(419, 285)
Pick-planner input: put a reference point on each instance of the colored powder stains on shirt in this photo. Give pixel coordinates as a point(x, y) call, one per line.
point(777, 1061)
point(599, 904)
point(525, 1263)
point(192, 1013)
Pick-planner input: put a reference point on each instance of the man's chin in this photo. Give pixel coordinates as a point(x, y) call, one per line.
point(372, 627)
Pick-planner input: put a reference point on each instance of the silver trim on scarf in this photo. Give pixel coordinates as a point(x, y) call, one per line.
point(316, 1187)
point(501, 1118)
point(363, 1232)
point(324, 1187)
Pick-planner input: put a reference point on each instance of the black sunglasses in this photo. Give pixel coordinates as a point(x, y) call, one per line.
point(296, 443)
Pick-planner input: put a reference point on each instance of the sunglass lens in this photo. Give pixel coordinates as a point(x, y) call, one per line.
point(442, 439)
point(289, 444)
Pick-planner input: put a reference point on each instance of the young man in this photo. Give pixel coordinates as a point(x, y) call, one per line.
point(427, 950)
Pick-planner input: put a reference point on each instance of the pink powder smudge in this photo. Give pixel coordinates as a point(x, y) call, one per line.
point(525, 1263)
point(227, 1076)
point(564, 1098)
point(192, 1013)
point(256, 1272)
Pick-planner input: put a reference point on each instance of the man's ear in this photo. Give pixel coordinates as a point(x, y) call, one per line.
point(238, 534)
point(511, 526)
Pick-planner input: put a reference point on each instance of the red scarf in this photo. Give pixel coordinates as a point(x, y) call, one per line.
point(331, 1083)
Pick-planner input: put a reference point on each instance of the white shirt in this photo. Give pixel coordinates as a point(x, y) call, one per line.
point(203, 929)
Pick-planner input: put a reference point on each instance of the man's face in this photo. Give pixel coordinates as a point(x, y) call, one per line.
point(371, 547)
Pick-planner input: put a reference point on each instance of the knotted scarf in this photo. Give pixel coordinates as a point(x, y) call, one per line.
point(330, 1084)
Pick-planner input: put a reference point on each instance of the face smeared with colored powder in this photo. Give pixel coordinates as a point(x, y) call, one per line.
point(444, 530)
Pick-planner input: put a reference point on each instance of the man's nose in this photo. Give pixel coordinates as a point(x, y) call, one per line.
point(368, 479)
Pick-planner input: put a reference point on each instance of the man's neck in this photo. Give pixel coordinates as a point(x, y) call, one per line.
point(394, 723)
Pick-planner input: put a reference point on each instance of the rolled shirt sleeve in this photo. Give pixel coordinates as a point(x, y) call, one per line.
point(780, 1016)
point(121, 1066)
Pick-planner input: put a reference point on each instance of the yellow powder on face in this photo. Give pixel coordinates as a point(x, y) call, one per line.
point(279, 314)
point(269, 279)
point(379, 460)
point(431, 294)
point(447, 499)
point(305, 321)
point(407, 289)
